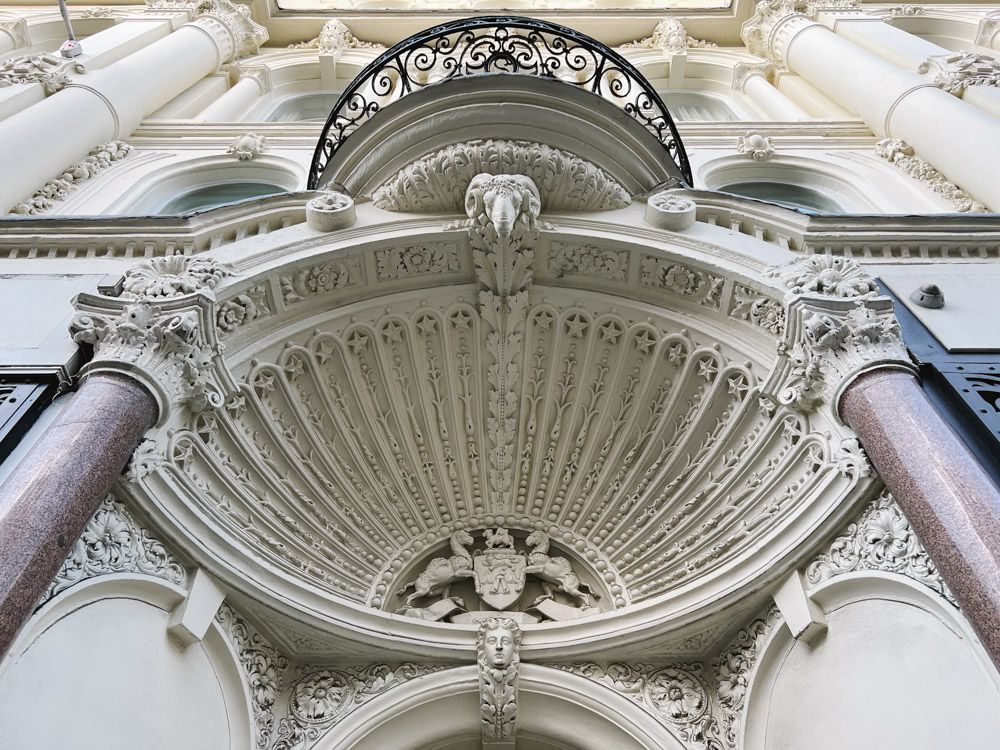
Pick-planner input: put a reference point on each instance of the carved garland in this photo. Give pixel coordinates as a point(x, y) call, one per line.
point(58, 188)
point(438, 182)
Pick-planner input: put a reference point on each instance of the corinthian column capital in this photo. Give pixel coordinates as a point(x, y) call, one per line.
point(767, 32)
point(838, 327)
point(229, 24)
point(160, 332)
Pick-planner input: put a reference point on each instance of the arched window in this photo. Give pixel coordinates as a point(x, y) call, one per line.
point(698, 105)
point(210, 196)
point(786, 194)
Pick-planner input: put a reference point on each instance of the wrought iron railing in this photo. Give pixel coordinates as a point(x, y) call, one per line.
point(496, 44)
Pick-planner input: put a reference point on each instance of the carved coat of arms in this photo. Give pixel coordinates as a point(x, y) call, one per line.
point(499, 571)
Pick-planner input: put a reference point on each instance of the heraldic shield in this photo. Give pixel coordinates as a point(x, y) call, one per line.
point(499, 577)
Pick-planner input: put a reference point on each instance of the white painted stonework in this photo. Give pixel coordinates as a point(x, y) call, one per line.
point(501, 439)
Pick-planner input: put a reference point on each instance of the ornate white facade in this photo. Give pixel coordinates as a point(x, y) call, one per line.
point(503, 436)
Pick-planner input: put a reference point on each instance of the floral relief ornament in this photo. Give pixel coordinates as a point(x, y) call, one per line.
point(758, 147)
point(58, 188)
point(113, 542)
point(173, 276)
point(248, 146)
point(902, 156)
point(824, 275)
point(882, 539)
point(241, 309)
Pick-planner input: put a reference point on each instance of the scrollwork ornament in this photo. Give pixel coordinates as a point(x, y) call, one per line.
point(882, 539)
point(902, 156)
point(335, 38)
point(671, 37)
point(114, 542)
point(498, 645)
point(733, 668)
point(263, 668)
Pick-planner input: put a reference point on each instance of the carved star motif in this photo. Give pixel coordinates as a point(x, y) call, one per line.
point(461, 320)
point(393, 331)
point(576, 326)
point(293, 367)
point(324, 350)
point(707, 368)
point(427, 325)
point(610, 332)
point(674, 352)
point(645, 341)
point(738, 386)
point(357, 342)
point(265, 382)
point(543, 320)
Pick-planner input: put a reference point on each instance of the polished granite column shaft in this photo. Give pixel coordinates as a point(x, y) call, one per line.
point(52, 494)
point(942, 489)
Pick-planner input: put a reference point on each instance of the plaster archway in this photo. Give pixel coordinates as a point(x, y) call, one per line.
point(556, 708)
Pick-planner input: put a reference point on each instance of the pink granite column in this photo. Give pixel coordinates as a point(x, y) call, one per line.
point(949, 499)
point(48, 499)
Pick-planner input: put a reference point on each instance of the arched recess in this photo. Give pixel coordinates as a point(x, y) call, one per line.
point(106, 639)
point(953, 31)
point(555, 709)
point(222, 179)
point(344, 327)
point(825, 188)
point(897, 667)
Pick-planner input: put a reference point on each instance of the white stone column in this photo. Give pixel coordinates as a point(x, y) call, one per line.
point(42, 141)
point(234, 103)
point(961, 141)
point(894, 45)
point(752, 81)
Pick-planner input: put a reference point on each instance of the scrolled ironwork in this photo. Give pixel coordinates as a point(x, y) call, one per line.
point(511, 45)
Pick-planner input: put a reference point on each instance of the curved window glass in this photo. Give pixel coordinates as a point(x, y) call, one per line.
point(785, 194)
point(696, 105)
point(210, 196)
point(307, 107)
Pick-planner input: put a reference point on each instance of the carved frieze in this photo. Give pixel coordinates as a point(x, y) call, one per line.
point(587, 260)
point(326, 277)
point(881, 539)
point(703, 287)
point(438, 182)
point(58, 188)
point(396, 263)
point(114, 542)
point(902, 156)
point(242, 308)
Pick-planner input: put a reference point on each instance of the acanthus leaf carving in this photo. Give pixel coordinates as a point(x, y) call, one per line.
point(58, 188)
point(247, 35)
point(825, 275)
point(114, 542)
point(335, 38)
point(166, 346)
point(263, 669)
point(881, 539)
point(498, 646)
point(438, 181)
point(902, 156)
point(173, 276)
point(733, 668)
point(503, 228)
point(671, 37)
